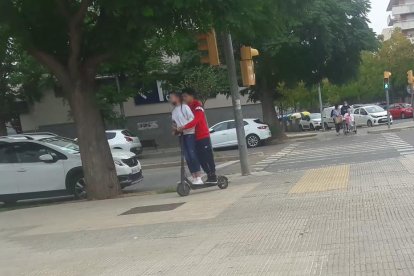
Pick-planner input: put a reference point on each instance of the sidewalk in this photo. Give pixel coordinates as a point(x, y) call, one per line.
point(352, 219)
point(394, 128)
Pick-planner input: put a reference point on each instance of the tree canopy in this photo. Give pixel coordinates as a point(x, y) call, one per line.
point(21, 79)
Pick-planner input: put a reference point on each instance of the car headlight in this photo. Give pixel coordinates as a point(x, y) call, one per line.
point(119, 163)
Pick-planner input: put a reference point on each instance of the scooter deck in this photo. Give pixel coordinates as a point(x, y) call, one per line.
point(198, 187)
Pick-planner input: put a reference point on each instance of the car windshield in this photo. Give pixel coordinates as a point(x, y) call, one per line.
point(406, 105)
point(314, 116)
point(64, 144)
point(374, 109)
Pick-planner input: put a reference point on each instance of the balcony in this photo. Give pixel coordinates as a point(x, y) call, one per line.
point(390, 20)
point(403, 9)
point(404, 25)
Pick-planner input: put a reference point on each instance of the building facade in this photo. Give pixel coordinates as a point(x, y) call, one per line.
point(146, 115)
point(402, 16)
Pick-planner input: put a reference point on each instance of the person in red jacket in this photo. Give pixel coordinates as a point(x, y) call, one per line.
point(204, 150)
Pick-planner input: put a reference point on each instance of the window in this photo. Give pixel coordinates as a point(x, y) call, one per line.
point(374, 109)
point(7, 155)
point(30, 152)
point(356, 111)
point(110, 135)
point(363, 112)
point(64, 144)
point(220, 127)
point(127, 133)
point(231, 125)
point(257, 121)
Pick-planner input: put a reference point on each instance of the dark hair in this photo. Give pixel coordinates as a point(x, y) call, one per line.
point(336, 106)
point(175, 93)
point(189, 91)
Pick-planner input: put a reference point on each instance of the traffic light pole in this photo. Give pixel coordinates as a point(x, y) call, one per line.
point(387, 94)
point(235, 95)
point(321, 106)
point(412, 98)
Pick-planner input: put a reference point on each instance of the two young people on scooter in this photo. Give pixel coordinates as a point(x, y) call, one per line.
point(189, 120)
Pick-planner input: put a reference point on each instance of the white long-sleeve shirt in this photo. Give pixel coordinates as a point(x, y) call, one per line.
point(182, 115)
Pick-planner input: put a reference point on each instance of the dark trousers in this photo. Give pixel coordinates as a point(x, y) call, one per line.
point(338, 127)
point(190, 153)
point(205, 155)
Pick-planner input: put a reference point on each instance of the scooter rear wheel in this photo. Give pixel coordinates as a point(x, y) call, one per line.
point(183, 189)
point(223, 182)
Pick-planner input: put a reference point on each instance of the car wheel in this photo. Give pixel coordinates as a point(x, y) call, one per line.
point(369, 123)
point(78, 186)
point(252, 140)
point(403, 116)
point(312, 127)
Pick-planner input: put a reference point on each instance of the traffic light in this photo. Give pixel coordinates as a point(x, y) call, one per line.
point(410, 77)
point(207, 45)
point(247, 65)
point(387, 76)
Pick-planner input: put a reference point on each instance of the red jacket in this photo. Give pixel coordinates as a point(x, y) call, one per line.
point(199, 122)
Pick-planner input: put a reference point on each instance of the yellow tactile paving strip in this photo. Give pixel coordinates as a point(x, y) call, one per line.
point(321, 180)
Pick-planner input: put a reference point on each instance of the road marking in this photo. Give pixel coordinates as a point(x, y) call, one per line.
point(275, 157)
point(399, 144)
point(226, 164)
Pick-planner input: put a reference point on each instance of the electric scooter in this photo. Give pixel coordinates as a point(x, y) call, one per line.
point(185, 186)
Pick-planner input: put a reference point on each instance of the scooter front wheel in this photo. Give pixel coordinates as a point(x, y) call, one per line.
point(223, 182)
point(183, 189)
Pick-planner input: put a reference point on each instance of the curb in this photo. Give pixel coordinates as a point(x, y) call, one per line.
point(178, 163)
point(397, 129)
point(302, 136)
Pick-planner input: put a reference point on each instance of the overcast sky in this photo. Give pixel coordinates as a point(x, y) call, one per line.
point(378, 15)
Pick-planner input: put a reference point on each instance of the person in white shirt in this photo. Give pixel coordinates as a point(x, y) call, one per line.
point(182, 115)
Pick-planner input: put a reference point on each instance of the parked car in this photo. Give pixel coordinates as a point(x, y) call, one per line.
point(10, 130)
point(401, 110)
point(371, 115)
point(311, 122)
point(224, 134)
point(51, 166)
point(124, 139)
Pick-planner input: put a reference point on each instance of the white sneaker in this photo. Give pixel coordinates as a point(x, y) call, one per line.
point(197, 181)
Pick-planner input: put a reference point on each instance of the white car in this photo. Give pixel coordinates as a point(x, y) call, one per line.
point(311, 122)
point(371, 115)
point(124, 139)
point(224, 134)
point(51, 166)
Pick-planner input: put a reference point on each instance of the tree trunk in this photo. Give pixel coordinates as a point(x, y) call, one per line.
point(98, 165)
point(269, 113)
point(3, 129)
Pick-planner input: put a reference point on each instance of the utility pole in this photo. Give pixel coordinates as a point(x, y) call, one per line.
point(118, 88)
point(321, 106)
point(235, 95)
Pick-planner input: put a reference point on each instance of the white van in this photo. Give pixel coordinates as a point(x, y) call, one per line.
point(328, 121)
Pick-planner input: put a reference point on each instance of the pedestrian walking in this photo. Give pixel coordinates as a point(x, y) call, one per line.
point(337, 118)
